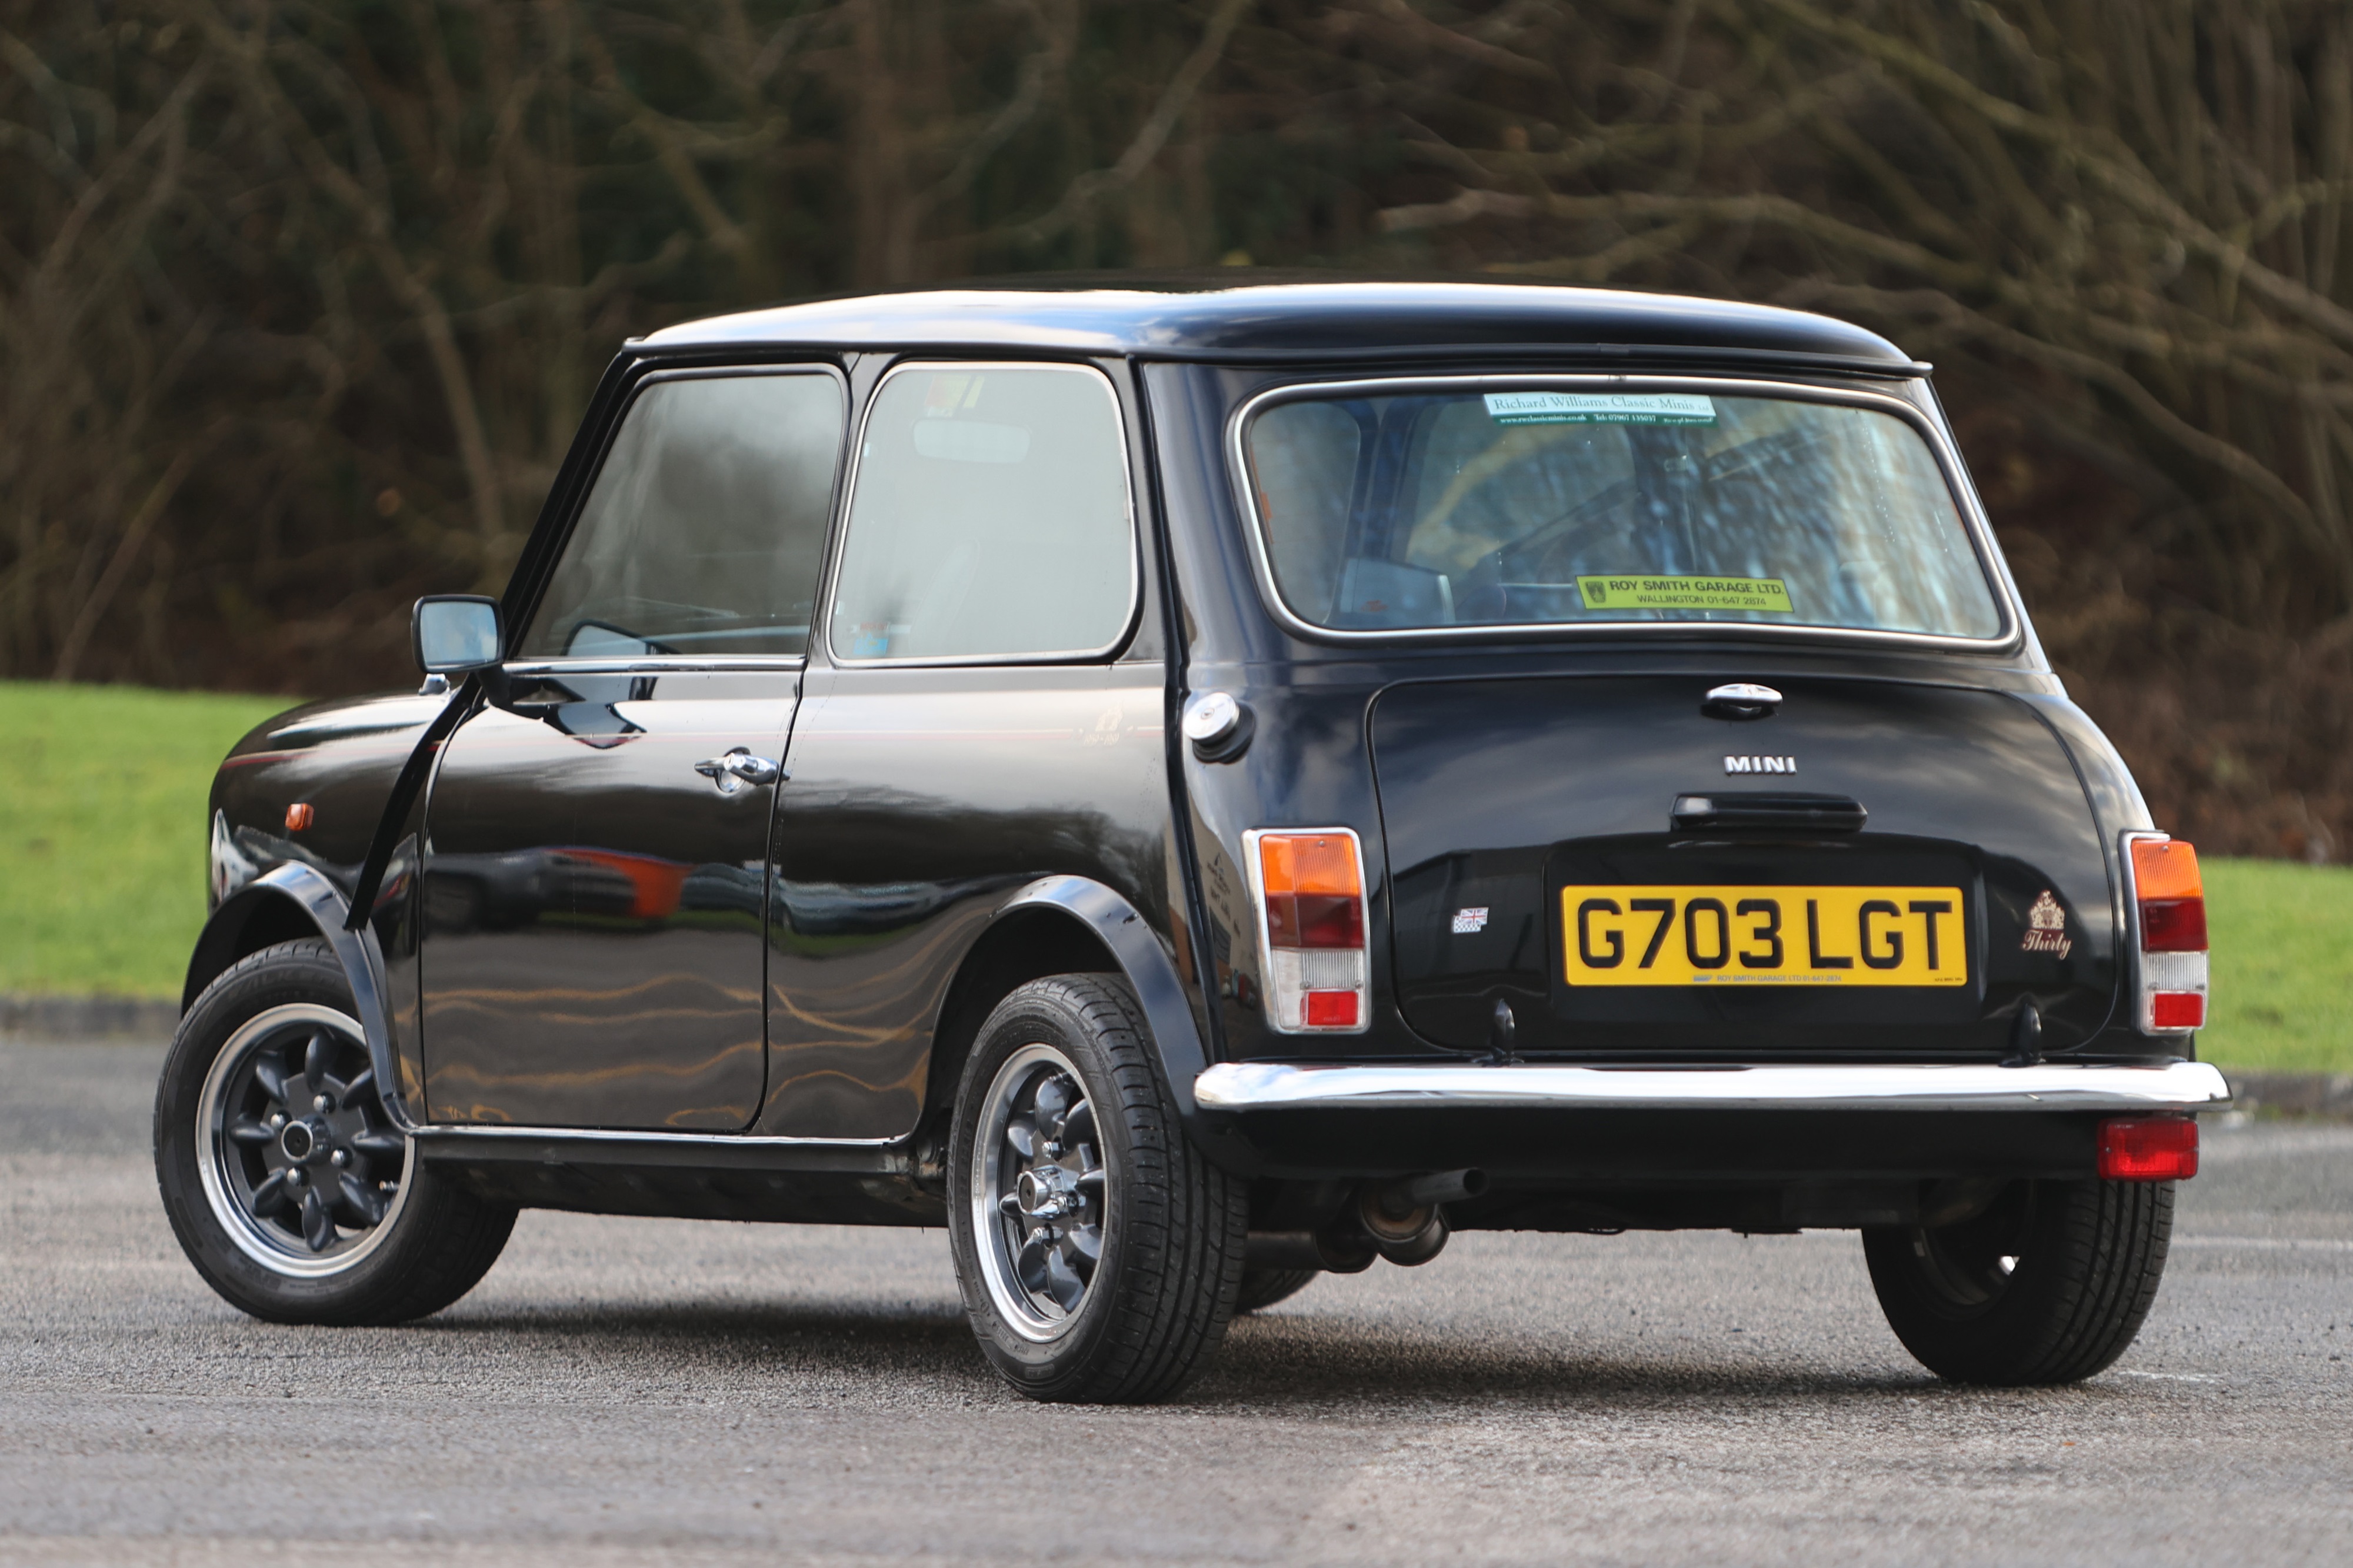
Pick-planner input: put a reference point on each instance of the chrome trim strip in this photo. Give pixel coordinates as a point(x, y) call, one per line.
point(452, 1131)
point(1298, 1086)
point(661, 664)
point(2011, 638)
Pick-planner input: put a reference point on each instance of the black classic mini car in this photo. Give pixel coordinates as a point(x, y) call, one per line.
point(1189, 787)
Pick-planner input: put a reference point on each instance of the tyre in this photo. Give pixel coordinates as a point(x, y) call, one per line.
point(1098, 1252)
point(287, 1184)
point(2049, 1284)
point(1264, 1287)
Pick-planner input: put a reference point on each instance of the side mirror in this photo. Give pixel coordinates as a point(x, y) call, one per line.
point(455, 633)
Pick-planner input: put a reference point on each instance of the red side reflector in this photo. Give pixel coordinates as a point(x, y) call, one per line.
point(2178, 1010)
point(2149, 1149)
point(1331, 1009)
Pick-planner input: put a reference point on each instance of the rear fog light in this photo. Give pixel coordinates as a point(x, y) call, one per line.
point(2149, 1149)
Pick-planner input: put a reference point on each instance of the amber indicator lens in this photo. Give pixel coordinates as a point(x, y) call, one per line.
point(2149, 1149)
point(300, 815)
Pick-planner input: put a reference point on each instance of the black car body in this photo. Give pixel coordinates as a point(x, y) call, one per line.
point(591, 977)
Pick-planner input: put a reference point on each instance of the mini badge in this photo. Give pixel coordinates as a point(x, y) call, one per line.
point(2046, 928)
point(1471, 919)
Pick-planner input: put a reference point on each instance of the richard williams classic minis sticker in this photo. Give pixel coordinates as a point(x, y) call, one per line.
point(2046, 928)
point(1768, 594)
point(1599, 408)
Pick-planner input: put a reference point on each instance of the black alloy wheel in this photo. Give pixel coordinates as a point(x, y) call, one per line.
point(2049, 1283)
point(304, 1166)
point(1098, 1252)
point(285, 1179)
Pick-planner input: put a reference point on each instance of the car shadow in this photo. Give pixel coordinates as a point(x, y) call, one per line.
point(1270, 1364)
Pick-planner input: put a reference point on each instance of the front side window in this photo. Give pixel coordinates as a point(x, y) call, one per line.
point(706, 525)
point(990, 519)
point(1465, 507)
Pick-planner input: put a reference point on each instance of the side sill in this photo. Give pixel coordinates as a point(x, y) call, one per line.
point(1294, 1086)
point(718, 1151)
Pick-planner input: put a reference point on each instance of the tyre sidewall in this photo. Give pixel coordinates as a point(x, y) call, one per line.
point(292, 973)
point(1042, 1014)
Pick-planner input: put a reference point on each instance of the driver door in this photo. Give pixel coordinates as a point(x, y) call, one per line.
point(595, 869)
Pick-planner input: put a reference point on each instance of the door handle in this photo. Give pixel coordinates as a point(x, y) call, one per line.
point(738, 768)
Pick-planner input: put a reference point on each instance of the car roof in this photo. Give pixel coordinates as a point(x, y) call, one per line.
point(1238, 315)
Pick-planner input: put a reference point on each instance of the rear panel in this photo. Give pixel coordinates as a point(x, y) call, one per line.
point(1527, 819)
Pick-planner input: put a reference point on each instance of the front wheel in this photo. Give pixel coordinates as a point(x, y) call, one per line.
point(287, 1184)
point(2048, 1284)
point(1098, 1252)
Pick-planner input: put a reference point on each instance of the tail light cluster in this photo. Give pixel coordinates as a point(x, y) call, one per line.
point(2169, 900)
point(1310, 890)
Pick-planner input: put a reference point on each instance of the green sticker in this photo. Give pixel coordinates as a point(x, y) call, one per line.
point(1770, 594)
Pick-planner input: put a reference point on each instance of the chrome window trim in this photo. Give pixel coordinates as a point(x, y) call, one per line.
point(661, 664)
point(1978, 527)
point(839, 552)
point(2049, 1085)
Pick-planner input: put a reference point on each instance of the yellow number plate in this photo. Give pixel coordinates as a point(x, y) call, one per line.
point(1765, 936)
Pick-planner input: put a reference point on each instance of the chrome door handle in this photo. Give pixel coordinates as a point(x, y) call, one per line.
point(738, 768)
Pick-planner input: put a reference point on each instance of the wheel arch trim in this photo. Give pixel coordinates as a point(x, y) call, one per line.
point(357, 952)
point(1144, 962)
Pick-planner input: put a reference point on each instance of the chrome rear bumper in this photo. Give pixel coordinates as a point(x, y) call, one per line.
point(2051, 1086)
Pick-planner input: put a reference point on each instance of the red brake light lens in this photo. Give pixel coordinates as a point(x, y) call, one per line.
point(2178, 1010)
point(2149, 1149)
point(2173, 925)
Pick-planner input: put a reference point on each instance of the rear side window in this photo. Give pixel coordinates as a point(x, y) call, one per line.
point(990, 518)
point(706, 525)
point(1463, 507)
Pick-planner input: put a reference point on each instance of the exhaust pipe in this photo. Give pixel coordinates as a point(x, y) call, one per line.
point(1329, 1251)
point(1400, 1220)
point(1406, 1220)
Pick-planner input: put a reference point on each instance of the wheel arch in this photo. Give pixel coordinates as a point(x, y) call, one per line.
point(288, 904)
point(1063, 925)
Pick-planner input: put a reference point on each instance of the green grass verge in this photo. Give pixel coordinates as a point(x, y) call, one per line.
point(102, 858)
point(103, 838)
point(2283, 965)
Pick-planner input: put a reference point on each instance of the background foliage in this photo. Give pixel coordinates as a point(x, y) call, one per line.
point(300, 299)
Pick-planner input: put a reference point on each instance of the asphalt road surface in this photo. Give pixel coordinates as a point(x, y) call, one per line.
point(656, 1391)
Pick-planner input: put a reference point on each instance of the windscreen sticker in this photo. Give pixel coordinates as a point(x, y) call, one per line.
point(1770, 594)
point(1599, 408)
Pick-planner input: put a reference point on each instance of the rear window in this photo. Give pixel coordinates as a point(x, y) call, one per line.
point(1467, 507)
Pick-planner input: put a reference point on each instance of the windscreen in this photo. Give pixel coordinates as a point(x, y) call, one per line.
point(1458, 507)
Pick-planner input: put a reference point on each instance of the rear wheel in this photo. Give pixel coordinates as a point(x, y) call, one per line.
point(2048, 1284)
point(285, 1180)
point(1098, 1252)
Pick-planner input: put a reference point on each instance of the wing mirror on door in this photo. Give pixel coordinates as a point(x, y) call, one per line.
point(455, 633)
